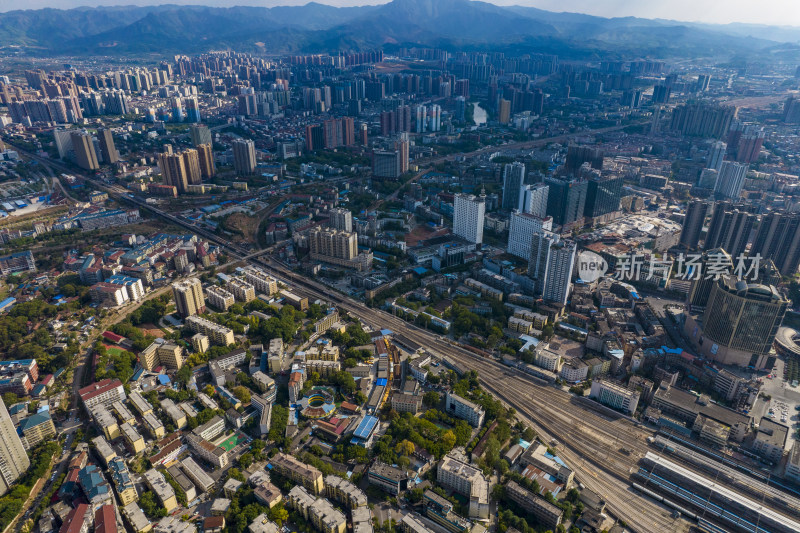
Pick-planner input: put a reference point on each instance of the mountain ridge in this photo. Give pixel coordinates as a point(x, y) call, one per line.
point(315, 27)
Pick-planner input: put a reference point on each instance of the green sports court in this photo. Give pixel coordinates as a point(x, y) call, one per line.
point(232, 441)
point(114, 350)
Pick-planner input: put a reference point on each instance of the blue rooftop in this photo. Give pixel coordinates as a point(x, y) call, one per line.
point(555, 458)
point(16, 362)
point(381, 382)
point(366, 427)
point(34, 420)
point(92, 481)
point(570, 327)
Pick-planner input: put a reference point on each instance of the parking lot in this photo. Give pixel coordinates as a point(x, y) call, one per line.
point(782, 407)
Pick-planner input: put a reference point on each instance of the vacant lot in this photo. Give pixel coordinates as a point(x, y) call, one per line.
point(244, 226)
point(421, 233)
point(152, 330)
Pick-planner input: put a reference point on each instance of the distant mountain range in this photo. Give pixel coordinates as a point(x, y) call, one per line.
point(462, 24)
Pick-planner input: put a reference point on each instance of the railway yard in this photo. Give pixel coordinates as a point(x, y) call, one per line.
point(608, 451)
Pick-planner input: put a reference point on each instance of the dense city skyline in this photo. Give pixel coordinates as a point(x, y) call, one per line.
point(429, 266)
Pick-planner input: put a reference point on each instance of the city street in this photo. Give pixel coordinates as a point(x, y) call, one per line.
point(59, 468)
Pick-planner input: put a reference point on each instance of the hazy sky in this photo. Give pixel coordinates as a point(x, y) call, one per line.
point(781, 12)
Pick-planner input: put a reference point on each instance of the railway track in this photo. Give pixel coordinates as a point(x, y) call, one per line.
point(582, 449)
point(590, 450)
point(592, 440)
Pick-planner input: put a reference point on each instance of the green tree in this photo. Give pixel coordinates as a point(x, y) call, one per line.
point(278, 514)
point(415, 495)
point(431, 399)
point(448, 440)
point(345, 382)
point(243, 393)
point(180, 494)
point(9, 398)
point(246, 460)
point(405, 447)
point(280, 418)
point(498, 492)
point(235, 473)
point(358, 337)
point(463, 432)
point(184, 375)
point(528, 434)
point(150, 506)
point(502, 467)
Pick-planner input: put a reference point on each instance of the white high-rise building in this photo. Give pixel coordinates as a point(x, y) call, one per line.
point(63, 142)
point(13, 458)
point(615, 395)
point(244, 157)
point(513, 181)
point(421, 120)
point(341, 219)
point(731, 179)
point(551, 263)
point(188, 295)
point(435, 117)
point(716, 155)
point(523, 226)
point(468, 215)
point(533, 199)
